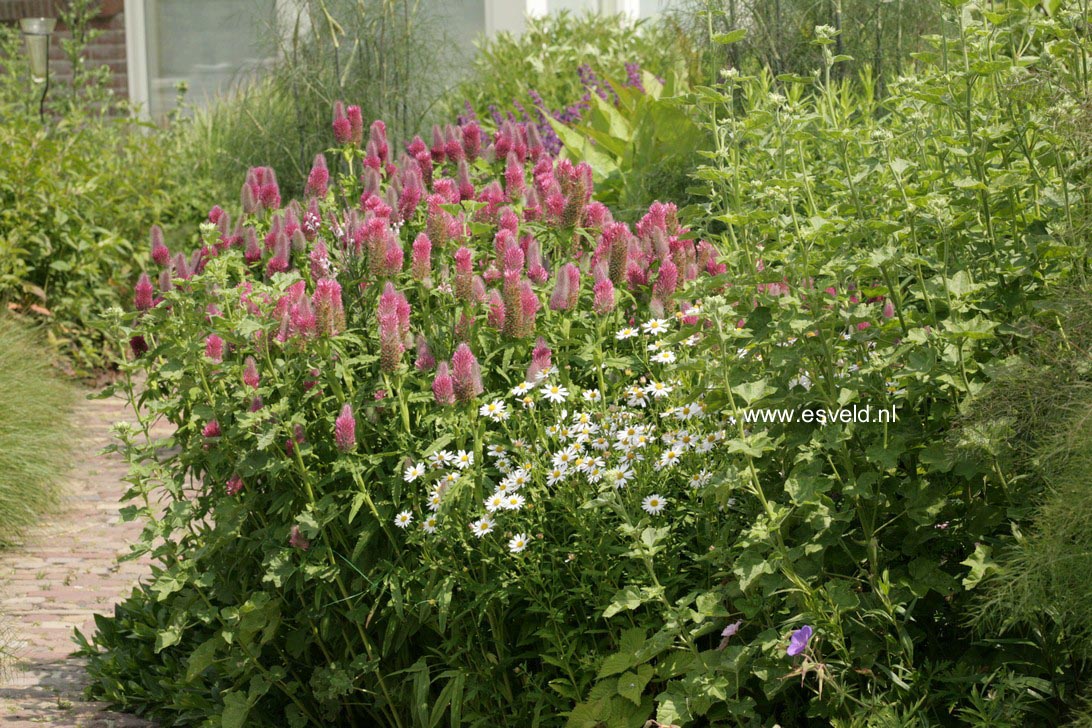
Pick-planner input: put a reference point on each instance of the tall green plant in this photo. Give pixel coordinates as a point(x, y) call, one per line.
point(880, 35)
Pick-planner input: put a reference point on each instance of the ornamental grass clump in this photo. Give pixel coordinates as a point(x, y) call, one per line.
point(312, 356)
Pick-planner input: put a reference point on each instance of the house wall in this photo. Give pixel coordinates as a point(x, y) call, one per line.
point(108, 49)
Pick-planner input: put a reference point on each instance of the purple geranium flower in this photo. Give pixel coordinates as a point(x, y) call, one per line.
point(799, 641)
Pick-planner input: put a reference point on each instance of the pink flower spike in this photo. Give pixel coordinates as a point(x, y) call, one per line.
point(343, 130)
point(496, 310)
point(250, 373)
point(319, 178)
point(466, 374)
point(214, 349)
point(425, 359)
point(356, 125)
point(421, 262)
point(211, 429)
point(142, 293)
point(464, 275)
point(160, 254)
point(559, 299)
point(345, 429)
point(443, 387)
point(888, 309)
point(603, 302)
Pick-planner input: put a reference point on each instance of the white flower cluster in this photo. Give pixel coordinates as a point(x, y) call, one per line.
point(643, 430)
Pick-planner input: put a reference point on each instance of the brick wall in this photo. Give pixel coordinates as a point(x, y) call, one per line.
point(107, 49)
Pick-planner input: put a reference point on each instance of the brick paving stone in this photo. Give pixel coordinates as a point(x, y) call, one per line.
point(63, 575)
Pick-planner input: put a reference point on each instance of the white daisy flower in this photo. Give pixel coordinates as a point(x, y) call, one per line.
point(403, 519)
point(635, 397)
point(593, 395)
point(522, 388)
point(434, 500)
point(691, 340)
point(441, 458)
point(656, 345)
point(413, 472)
point(627, 333)
point(658, 389)
point(664, 357)
point(497, 452)
point(517, 479)
point(556, 475)
point(590, 463)
point(555, 393)
point(514, 502)
point(528, 402)
point(543, 374)
point(518, 543)
point(482, 526)
point(495, 501)
point(669, 457)
point(464, 459)
point(654, 504)
point(449, 480)
point(430, 524)
point(565, 458)
point(654, 326)
point(700, 479)
point(687, 411)
point(494, 410)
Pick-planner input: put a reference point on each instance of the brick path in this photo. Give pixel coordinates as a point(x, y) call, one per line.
point(65, 573)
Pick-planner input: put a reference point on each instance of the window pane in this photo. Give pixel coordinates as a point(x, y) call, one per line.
point(206, 43)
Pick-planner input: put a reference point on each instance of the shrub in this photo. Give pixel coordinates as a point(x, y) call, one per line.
point(888, 253)
point(35, 410)
point(75, 195)
point(307, 361)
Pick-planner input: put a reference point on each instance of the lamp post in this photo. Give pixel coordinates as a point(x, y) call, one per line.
point(36, 32)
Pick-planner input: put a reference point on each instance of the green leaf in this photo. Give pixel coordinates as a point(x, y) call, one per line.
point(632, 684)
point(753, 391)
point(730, 37)
point(167, 637)
point(981, 566)
point(626, 599)
point(236, 708)
point(203, 657)
point(616, 663)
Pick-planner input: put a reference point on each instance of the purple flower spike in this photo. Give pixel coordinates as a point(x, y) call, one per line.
point(799, 641)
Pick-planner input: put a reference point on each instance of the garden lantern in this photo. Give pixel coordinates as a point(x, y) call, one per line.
point(37, 31)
